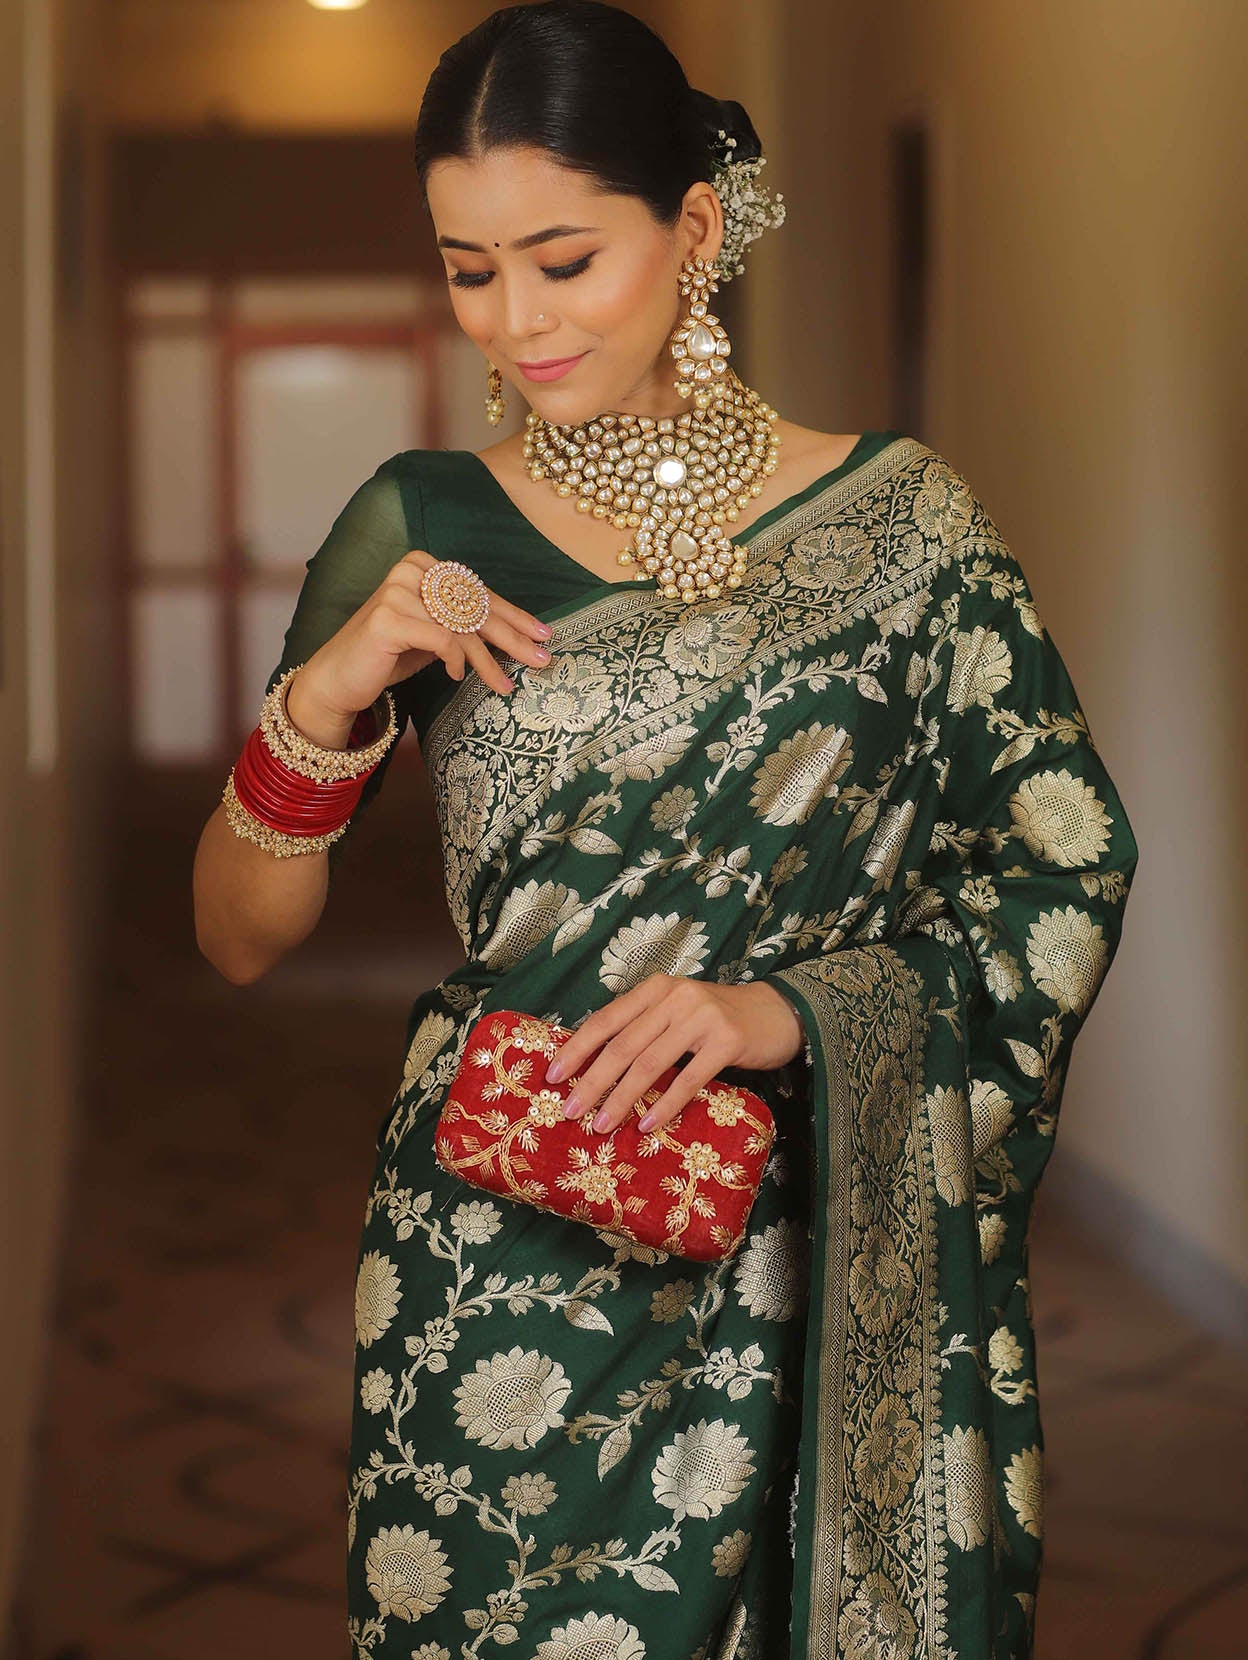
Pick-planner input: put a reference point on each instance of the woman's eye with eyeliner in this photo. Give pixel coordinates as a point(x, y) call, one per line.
point(558, 273)
point(562, 272)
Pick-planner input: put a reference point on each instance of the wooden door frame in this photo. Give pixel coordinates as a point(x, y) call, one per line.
point(230, 340)
point(236, 340)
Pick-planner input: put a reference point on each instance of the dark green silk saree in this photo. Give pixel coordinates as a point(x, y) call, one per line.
point(865, 777)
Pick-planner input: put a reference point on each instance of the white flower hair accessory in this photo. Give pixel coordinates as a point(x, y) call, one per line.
point(749, 209)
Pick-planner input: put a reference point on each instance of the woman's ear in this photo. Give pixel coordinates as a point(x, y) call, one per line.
point(702, 221)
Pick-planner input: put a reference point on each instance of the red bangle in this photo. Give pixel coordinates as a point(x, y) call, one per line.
point(291, 795)
point(287, 801)
point(364, 729)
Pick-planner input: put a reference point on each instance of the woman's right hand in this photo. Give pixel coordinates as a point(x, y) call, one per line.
point(393, 636)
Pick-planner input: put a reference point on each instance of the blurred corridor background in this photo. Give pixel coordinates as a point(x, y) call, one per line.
point(1015, 232)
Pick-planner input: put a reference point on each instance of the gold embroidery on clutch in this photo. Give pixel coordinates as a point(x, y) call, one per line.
point(597, 1174)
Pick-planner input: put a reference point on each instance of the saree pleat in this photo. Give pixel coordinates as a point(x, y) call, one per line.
point(863, 777)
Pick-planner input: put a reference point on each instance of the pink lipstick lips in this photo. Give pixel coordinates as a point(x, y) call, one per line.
point(552, 369)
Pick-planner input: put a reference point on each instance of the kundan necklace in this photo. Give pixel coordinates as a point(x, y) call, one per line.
point(673, 481)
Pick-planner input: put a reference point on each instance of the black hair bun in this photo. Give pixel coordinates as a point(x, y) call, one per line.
point(728, 114)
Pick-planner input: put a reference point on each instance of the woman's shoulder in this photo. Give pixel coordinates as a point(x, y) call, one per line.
point(428, 481)
point(422, 467)
point(807, 450)
point(806, 447)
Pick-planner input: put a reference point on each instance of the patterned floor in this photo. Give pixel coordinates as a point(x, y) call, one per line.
point(190, 1471)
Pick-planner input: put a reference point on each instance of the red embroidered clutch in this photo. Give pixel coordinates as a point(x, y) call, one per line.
point(686, 1187)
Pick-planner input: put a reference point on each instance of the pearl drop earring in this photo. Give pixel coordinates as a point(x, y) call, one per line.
point(700, 343)
point(495, 406)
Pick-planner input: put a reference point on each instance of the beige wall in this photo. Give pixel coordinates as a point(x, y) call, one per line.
point(56, 726)
point(277, 64)
point(1088, 376)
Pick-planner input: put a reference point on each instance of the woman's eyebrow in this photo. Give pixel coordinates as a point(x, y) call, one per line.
point(524, 242)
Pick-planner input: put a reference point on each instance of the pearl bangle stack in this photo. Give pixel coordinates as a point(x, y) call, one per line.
point(290, 795)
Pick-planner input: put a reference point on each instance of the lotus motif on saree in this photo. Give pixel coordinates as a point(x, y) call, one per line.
point(864, 776)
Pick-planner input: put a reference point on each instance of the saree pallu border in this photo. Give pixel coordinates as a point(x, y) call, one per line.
point(871, 1520)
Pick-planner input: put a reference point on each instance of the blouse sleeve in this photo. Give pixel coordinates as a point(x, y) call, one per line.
point(370, 534)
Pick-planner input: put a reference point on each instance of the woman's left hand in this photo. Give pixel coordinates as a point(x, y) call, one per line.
point(646, 1030)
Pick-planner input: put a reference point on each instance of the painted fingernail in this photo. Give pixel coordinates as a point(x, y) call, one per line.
point(603, 1120)
point(540, 651)
point(571, 1106)
point(509, 683)
point(647, 1122)
point(545, 630)
point(555, 1071)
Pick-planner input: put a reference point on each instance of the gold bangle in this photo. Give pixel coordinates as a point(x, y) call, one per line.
point(312, 760)
point(278, 842)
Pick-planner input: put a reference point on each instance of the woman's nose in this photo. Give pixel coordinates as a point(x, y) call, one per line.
point(523, 318)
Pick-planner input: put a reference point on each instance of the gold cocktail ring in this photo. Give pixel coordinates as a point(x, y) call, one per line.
point(455, 596)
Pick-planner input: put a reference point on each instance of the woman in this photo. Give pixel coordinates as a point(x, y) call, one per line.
point(832, 825)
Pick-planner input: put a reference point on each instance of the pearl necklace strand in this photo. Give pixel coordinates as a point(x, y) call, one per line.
point(673, 481)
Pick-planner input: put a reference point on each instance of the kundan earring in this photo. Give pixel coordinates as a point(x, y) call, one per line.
point(495, 407)
point(700, 344)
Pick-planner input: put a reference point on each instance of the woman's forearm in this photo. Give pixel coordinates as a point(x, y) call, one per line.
point(250, 906)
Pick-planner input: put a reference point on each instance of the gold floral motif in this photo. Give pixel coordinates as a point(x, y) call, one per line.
point(1002, 976)
point(1067, 956)
point(944, 506)
point(881, 1281)
point(887, 1461)
point(512, 1399)
point(731, 1553)
point(982, 667)
point(1060, 818)
point(876, 1625)
point(992, 1113)
point(839, 557)
point(646, 945)
point(888, 841)
point(407, 1573)
point(528, 914)
point(376, 1390)
point(884, 1121)
point(476, 1221)
point(571, 694)
point(702, 1469)
point(991, 1226)
point(1024, 1487)
point(433, 1034)
point(593, 1634)
point(711, 642)
point(772, 1273)
point(377, 1297)
point(723, 1106)
point(949, 1114)
point(799, 773)
point(529, 1495)
point(968, 1489)
point(671, 1301)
